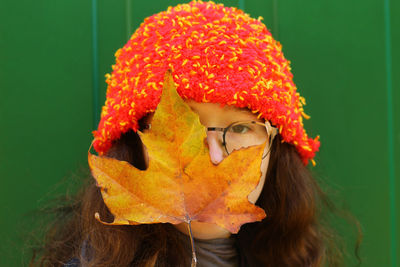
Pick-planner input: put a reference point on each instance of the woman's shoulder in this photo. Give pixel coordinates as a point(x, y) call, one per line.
point(85, 253)
point(73, 263)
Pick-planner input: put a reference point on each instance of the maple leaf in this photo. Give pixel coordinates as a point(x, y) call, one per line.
point(181, 183)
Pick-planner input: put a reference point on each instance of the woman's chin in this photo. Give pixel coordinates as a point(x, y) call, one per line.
point(201, 230)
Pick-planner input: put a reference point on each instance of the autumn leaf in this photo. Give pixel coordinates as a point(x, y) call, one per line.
point(181, 184)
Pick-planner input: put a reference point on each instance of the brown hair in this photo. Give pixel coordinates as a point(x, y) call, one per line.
point(291, 235)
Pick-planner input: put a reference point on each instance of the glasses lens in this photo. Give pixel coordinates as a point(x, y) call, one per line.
point(242, 135)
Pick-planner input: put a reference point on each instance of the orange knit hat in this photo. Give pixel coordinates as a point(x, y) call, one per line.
point(217, 54)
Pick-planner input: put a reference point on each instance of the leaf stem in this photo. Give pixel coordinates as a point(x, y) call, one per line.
point(194, 258)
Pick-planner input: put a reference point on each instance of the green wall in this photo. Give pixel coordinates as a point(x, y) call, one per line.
point(346, 62)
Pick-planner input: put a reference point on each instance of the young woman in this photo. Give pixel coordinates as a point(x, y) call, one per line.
point(232, 73)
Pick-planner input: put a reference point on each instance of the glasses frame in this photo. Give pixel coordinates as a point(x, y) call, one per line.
point(271, 132)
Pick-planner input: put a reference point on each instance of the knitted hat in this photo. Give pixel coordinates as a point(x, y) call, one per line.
point(217, 54)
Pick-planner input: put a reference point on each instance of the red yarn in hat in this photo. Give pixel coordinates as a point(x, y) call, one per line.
point(217, 54)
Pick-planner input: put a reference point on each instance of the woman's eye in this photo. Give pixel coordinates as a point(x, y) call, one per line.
point(240, 129)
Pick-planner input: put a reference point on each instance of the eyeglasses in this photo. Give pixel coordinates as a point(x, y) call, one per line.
point(244, 134)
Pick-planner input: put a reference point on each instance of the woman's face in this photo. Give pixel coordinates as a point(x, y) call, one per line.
point(213, 115)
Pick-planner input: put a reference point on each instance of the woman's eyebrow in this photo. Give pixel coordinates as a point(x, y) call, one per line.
point(248, 113)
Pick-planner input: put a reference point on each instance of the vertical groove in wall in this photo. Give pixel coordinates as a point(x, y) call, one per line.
point(95, 65)
point(392, 184)
point(241, 4)
point(128, 16)
point(275, 26)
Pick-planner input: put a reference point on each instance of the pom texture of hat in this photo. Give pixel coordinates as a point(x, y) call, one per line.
point(216, 54)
